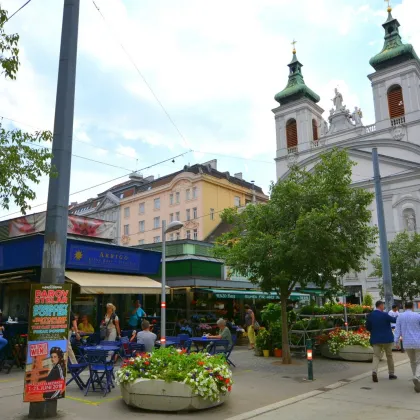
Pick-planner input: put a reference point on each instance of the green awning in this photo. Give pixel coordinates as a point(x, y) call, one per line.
point(252, 294)
point(317, 292)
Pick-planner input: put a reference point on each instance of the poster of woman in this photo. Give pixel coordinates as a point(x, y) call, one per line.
point(46, 368)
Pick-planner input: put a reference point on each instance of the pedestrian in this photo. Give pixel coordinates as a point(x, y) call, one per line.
point(250, 326)
point(378, 323)
point(394, 313)
point(408, 326)
point(111, 323)
point(137, 313)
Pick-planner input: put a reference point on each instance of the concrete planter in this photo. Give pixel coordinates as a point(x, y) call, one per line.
point(325, 351)
point(356, 353)
point(158, 395)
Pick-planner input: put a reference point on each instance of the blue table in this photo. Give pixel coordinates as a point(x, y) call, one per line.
point(168, 343)
point(204, 341)
point(106, 348)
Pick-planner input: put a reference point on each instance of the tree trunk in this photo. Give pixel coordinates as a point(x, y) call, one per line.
point(287, 359)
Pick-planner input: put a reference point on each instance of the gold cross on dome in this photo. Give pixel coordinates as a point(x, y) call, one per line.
point(294, 46)
point(389, 5)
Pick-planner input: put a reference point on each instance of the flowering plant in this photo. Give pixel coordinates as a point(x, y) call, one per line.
point(208, 376)
point(205, 327)
point(339, 338)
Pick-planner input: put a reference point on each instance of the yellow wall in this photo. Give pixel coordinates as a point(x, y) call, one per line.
point(219, 194)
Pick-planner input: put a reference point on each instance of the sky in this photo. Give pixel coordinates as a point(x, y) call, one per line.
point(158, 78)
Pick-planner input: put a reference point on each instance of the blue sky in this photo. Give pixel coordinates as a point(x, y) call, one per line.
point(215, 66)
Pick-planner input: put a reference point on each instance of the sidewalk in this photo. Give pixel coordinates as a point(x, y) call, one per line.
point(359, 399)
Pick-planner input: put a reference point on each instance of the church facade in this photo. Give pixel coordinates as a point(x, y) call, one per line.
point(302, 134)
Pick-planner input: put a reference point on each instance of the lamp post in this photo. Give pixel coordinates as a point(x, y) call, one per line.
point(172, 227)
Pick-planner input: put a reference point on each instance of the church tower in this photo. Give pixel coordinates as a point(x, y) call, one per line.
point(299, 122)
point(396, 81)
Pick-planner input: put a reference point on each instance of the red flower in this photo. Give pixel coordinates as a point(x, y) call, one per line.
point(131, 362)
point(200, 363)
point(147, 363)
point(227, 380)
point(229, 388)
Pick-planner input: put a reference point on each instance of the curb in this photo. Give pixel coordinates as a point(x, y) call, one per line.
point(294, 400)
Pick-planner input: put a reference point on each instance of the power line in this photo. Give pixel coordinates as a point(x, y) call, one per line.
point(103, 183)
point(142, 76)
point(20, 8)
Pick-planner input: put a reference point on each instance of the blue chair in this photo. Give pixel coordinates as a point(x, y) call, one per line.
point(75, 370)
point(135, 348)
point(187, 346)
point(183, 338)
point(222, 347)
point(101, 370)
point(110, 343)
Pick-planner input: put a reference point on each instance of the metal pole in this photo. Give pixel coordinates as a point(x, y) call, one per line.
point(55, 240)
point(346, 322)
point(163, 298)
point(386, 268)
point(309, 358)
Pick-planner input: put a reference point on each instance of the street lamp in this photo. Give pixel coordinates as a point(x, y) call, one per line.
point(172, 227)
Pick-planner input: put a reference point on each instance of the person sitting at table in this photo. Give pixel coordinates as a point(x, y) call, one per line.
point(224, 332)
point(146, 337)
point(3, 341)
point(85, 326)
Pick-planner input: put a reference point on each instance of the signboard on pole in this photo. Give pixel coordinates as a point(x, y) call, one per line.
point(46, 358)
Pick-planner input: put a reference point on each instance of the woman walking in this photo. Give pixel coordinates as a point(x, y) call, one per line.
point(112, 323)
point(250, 326)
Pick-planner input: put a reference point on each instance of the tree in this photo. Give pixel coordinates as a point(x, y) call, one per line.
point(22, 159)
point(314, 229)
point(404, 257)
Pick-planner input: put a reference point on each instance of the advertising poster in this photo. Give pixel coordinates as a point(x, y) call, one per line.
point(46, 361)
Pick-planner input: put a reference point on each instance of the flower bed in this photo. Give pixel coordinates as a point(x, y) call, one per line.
point(208, 377)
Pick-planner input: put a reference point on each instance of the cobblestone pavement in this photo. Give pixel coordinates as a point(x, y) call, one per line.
point(258, 382)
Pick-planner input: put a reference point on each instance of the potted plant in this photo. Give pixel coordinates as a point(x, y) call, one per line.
point(263, 341)
point(171, 380)
point(276, 338)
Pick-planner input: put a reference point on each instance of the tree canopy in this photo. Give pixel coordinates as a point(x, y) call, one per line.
point(404, 257)
point(314, 229)
point(22, 159)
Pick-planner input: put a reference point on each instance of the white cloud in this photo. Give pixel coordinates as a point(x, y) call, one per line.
point(126, 151)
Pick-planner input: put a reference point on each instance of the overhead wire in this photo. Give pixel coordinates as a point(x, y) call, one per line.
point(18, 10)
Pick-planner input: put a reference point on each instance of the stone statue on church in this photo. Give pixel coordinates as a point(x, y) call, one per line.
point(357, 116)
point(338, 100)
point(410, 220)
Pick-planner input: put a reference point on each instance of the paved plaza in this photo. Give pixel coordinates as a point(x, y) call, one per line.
point(259, 382)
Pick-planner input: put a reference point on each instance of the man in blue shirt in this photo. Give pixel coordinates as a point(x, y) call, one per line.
point(136, 314)
point(408, 327)
point(378, 323)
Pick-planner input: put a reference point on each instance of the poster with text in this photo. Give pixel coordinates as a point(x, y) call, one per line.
point(46, 364)
point(45, 371)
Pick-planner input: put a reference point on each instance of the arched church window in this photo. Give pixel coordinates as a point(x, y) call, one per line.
point(291, 133)
point(314, 130)
point(395, 102)
point(410, 222)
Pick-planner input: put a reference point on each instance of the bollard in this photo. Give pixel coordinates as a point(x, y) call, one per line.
point(309, 358)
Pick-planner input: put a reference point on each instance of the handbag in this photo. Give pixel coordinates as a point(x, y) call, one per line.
point(104, 327)
point(256, 325)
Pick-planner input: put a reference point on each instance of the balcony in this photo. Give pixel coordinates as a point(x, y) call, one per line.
point(292, 150)
point(370, 129)
point(398, 121)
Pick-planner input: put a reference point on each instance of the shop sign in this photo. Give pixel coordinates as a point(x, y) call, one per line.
point(46, 357)
point(81, 256)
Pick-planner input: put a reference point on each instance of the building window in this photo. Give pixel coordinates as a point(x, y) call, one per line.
point(211, 214)
point(188, 194)
point(237, 201)
point(141, 225)
point(314, 130)
point(126, 230)
point(177, 198)
point(171, 237)
point(141, 208)
point(178, 236)
point(171, 217)
point(195, 234)
point(395, 102)
point(177, 216)
point(188, 235)
point(171, 199)
point(156, 239)
point(127, 212)
point(195, 213)
point(141, 241)
point(157, 203)
point(291, 134)
point(156, 222)
point(194, 192)
point(188, 214)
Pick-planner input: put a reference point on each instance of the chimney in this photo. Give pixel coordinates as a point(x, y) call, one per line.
point(136, 176)
point(211, 163)
point(238, 175)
